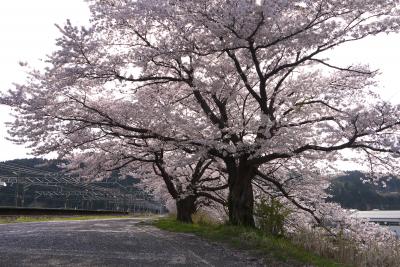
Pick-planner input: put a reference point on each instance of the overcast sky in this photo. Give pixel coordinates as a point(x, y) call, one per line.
point(27, 33)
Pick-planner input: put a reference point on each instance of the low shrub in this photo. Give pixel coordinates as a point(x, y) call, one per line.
point(271, 216)
point(202, 217)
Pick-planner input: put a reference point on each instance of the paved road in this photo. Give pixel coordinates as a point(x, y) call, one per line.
point(126, 242)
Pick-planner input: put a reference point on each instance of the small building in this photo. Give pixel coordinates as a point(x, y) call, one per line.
point(389, 218)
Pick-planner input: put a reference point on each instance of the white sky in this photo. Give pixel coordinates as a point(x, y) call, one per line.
point(27, 33)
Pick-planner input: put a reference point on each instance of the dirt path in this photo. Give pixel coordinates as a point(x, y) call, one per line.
point(126, 242)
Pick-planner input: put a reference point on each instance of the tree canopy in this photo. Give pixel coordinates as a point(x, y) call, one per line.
point(246, 85)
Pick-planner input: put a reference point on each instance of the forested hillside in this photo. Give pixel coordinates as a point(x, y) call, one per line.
point(351, 192)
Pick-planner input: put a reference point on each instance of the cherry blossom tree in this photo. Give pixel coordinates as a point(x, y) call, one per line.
point(171, 175)
point(105, 143)
point(193, 185)
point(248, 83)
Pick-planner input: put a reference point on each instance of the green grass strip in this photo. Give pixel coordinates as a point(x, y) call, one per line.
point(25, 219)
point(279, 249)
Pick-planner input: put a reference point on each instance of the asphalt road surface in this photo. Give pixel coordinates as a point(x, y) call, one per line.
point(124, 242)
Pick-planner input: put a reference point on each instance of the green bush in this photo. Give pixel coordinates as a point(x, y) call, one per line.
point(271, 215)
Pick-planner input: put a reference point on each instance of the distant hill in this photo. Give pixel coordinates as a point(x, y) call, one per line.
point(36, 163)
point(350, 191)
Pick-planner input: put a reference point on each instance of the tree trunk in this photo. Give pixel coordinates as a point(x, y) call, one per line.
point(241, 198)
point(185, 208)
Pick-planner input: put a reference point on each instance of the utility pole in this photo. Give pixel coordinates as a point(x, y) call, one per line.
point(24, 189)
point(16, 188)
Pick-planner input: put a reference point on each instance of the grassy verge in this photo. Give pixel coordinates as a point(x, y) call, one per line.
point(24, 219)
point(278, 249)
